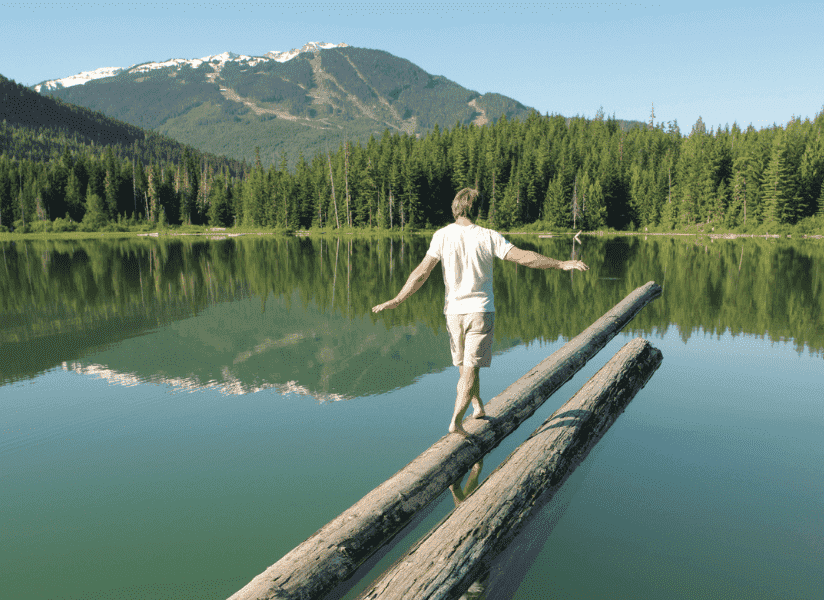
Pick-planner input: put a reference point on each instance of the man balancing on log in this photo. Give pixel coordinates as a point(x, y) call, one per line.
point(467, 252)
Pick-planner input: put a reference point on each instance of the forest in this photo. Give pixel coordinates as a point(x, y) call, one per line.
point(543, 172)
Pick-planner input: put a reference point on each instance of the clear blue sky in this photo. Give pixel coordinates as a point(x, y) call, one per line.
point(754, 62)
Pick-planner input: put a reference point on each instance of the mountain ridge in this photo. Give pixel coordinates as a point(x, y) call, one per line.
point(290, 103)
point(102, 72)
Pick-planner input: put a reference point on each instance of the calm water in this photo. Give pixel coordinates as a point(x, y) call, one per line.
point(178, 415)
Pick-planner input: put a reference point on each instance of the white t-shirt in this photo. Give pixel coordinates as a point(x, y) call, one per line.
point(466, 255)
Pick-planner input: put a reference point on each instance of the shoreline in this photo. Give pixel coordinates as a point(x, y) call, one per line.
point(224, 233)
point(715, 236)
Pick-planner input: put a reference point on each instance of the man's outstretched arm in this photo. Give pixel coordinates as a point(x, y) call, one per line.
point(533, 260)
point(416, 279)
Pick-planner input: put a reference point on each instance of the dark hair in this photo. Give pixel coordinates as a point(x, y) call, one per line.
point(463, 202)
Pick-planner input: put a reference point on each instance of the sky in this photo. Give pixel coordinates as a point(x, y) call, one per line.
point(754, 62)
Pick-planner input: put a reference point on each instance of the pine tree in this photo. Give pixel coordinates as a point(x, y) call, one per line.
point(411, 185)
point(596, 215)
point(492, 168)
point(301, 198)
point(110, 190)
point(576, 210)
point(382, 216)
point(811, 174)
point(507, 215)
point(556, 208)
point(820, 201)
point(95, 217)
point(737, 210)
point(153, 193)
point(282, 192)
point(780, 195)
point(139, 186)
point(75, 197)
point(393, 185)
point(460, 166)
point(5, 194)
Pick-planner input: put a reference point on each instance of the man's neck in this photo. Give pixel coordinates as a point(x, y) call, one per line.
point(463, 221)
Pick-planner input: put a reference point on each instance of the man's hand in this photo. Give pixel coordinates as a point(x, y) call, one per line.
point(569, 265)
point(393, 303)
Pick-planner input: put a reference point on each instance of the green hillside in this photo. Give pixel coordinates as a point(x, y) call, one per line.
point(39, 128)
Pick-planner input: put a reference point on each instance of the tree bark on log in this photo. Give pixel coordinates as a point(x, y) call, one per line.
point(456, 552)
point(334, 552)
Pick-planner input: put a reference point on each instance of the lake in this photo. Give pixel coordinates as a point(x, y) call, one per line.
point(178, 414)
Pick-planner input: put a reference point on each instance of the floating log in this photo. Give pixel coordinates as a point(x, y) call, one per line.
point(333, 553)
point(457, 551)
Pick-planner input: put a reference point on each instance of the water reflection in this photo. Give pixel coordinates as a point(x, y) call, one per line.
point(476, 591)
point(293, 314)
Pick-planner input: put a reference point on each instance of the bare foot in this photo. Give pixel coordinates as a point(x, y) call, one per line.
point(479, 414)
point(463, 433)
point(459, 430)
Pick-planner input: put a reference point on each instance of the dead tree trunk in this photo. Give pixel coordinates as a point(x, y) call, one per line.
point(334, 552)
point(346, 178)
point(332, 183)
point(456, 552)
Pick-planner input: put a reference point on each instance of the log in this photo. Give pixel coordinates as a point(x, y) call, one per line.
point(333, 553)
point(456, 552)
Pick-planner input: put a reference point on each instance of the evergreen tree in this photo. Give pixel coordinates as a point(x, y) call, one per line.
point(189, 187)
point(460, 160)
point(506, 217)
point(410, 184)
point(220, 205)
point(811, 174)
point(576, 206)
point(556, 208)
point(110, 183)
point(596, 211)
point(282, 193)
point(5, 195)
point(382, 213)
point(95, 217)
point(140, 184)
point(493, 171)
point(737, 210)
point(780, 194)
point(820, 202)
point(153, 194)
point(75, 195)
point(302, 196)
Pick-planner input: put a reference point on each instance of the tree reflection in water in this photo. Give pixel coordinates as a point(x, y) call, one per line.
point(182, 310)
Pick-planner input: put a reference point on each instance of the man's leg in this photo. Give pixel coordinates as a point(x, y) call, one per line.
point(467, 384)
point(479, 412)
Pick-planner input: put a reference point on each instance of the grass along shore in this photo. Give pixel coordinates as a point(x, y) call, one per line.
point(809, 228)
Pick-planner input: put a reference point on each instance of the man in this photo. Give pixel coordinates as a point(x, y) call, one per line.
point(467, 252)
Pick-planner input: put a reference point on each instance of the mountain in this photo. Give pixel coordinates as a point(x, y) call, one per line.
point(300, 101)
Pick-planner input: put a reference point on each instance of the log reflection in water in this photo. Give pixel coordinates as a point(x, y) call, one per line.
point(476, 591)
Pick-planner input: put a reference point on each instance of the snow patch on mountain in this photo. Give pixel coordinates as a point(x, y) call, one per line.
point(309, 47)
point(79, 79)
point(216, 61)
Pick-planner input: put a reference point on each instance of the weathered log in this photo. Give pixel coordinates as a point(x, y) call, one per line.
point(456, 552)
point(333, 553)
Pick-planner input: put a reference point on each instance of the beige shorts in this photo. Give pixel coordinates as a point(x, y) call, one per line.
point(470, 338)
